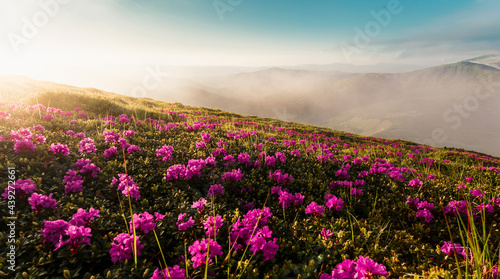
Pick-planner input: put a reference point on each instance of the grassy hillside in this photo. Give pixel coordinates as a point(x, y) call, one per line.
point(253, 197)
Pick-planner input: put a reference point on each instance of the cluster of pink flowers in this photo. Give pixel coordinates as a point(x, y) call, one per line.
point(127, 185)
point(286, 199)
point(110, 136)
point(144, 222)
point(22, 188)
point(216, 190)
point(184, 225)
point(212, 224)
point(169, 273)
point(364, 267)
point(75, 135)
point(24, 145)
point(488, 208)
point(110, 152)
point(326, 234)
point(424, 210)
point(199, 251)
point(73, 181)
point(114, 137)
point(192, 169)
point(331, 201)
point(87, 146)
point(205, 137)
point(451, 248)
point(128, 133)
point(476, 193)
point(314, 208)
point(234, 175)
point(244, 159)
point(219, 152)
point(252, 231)
point(201, 145)
point(456, 207)
point(280, 178)
point(343, 172)
point(165, 152)
point(38, 201)
point(229, 160)
point(122, 247)
point(415, 183)
point(77, 236)
point(123, 118)
point(270, 160)
point(85, 166)
point(295, 153)
point(199, 204)
point(59, 148)
point(24, 140)
point(280, 156)
point(82, 217)
point(48, 117)
point(76, 230)
point(4, 115)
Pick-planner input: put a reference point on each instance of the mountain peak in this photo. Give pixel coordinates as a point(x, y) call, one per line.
point(492, 60)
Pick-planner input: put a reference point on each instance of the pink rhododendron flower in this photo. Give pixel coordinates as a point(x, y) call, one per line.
point(165, 152)
point(42, 201)
point(216, 190)
point(488, 208)
point(59, 148)
point(332, 202)
point(23, 188)
point(53, 230)
point(133, 148)
point(450, 248)
point(128, 133)
point(159, 216)
point(110, 152)
point(326, 234)
point(127, 185)
point(199, 251)
point(199, 204)
point(144, 222)
point(314, 208)
point(48, 117)
point(24, 145)
point(77, 236)
point(122, 247)
point(169, 273)
point(364, 267)
point(85, 166)
point(212, 224)
point(201, 145)
point(82, 217)
point(205, 137)
point(87, 146)
point(476, 193)
point(234, 175)
point(184, 225)
point(415, 183)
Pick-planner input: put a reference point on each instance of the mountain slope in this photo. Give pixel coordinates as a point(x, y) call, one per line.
point(447, 105)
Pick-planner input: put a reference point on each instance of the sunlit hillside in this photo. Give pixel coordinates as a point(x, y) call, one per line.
point(211, 194)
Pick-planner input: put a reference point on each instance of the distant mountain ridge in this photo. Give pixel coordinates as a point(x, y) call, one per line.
point(455, 104)
point(492, 60)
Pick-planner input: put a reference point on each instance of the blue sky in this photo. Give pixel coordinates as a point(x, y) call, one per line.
point(96, 33)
